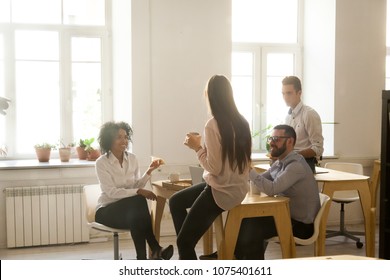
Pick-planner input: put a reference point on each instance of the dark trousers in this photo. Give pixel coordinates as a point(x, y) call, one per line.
point(131, 213)
point(251, 242)
point(190, 226)
point(312, 162)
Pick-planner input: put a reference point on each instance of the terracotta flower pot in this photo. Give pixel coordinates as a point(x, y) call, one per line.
point(92, 155)
point(43, 154)
point(82, 154)
point(64, 154)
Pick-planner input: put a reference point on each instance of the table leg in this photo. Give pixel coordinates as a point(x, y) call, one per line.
point(232, 227)
point(156, 214)
point(365, 199)
point(284, 229)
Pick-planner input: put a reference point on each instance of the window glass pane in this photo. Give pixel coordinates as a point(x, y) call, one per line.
point(84, 12)
point(4, 10)
point(242, 63)
point(242, 82)
point(37, 11)
point(87, 103)
point(86, 87)
point(265, 21)
point(37, 104)
point(279, 65)
point(86, 49)
point(36, 45)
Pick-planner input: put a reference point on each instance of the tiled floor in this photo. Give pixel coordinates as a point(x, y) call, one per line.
point(103, 250)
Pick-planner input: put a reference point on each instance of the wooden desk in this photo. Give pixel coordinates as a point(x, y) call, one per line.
point(157, 211)
point(256, 206)
point(338, 181)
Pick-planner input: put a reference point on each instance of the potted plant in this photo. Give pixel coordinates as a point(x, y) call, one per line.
point(92, 153)
point(43, 151)
point(3, 151)
point(65, 151)
point(81, 152)
point(264, 134)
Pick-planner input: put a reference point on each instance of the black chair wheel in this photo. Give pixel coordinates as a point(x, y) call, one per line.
point(359, 245)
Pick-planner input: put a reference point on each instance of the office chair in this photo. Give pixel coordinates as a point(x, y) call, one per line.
point(344, 197)
point(324, 200)
point(91, 196)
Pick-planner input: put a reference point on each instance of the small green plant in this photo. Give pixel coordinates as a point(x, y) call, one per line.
point(44, 145)
point(88, 144)
point(63, 145)
point(3, 151)
point(81, 143)
point(264, 134)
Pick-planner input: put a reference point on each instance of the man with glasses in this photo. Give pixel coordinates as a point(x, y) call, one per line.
point(305, 120)
point(289, 176)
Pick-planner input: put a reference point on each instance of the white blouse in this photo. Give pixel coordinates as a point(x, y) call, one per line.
point(118, 182)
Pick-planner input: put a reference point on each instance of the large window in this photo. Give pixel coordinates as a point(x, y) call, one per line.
point(54, 69)
point(266, 48)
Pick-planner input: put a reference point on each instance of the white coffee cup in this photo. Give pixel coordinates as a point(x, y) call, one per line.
point(174, 177)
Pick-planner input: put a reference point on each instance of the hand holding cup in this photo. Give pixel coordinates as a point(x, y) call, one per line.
point(193, 140)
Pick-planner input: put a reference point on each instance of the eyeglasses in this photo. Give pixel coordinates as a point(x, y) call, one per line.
point(276, 138)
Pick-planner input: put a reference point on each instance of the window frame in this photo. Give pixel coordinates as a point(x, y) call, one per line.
point(260, 51)
point(259, 74)
point(66, 32)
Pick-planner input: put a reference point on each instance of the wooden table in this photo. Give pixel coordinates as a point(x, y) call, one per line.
point(256, 206)
point(157, 211)
point(339, 181)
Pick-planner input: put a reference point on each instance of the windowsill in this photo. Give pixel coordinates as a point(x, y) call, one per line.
point(35, 164)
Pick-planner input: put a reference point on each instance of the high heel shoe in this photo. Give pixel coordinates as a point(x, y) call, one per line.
point(163, 253)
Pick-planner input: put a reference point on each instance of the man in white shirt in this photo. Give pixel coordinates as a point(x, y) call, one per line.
point(305, 121)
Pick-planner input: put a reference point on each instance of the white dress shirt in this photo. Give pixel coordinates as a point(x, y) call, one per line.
point(118, 181)
point(308, 127)
point(228, 187)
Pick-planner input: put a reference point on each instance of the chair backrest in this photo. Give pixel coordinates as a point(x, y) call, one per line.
point(345, 196)
point(91, 196)
point(324, 200)
point(350, 167)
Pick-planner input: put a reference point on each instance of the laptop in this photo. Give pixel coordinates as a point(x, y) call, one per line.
point(196, 173)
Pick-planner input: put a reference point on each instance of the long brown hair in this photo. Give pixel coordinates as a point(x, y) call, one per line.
point(236, 138)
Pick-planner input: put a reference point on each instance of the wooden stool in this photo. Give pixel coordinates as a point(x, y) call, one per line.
point(255, 206)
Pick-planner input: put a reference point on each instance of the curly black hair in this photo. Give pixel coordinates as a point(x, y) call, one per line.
point(108, 133)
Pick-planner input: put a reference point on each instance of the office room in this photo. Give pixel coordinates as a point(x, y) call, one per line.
point(156, 58)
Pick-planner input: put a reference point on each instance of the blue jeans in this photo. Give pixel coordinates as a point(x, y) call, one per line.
point(190, 226)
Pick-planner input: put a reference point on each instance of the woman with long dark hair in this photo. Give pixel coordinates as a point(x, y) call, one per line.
point(122, 203)
point(225, 158)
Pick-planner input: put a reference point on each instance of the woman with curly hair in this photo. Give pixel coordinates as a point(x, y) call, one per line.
point(122, 203)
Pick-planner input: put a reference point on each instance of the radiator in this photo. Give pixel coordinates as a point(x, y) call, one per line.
point(45, 215)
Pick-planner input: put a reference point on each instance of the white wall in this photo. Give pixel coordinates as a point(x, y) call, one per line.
point(189, 41)
point(359, 76)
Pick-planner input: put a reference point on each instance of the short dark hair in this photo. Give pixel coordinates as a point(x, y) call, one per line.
point(108, 133)
point(293, 80)
point(288, 131)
